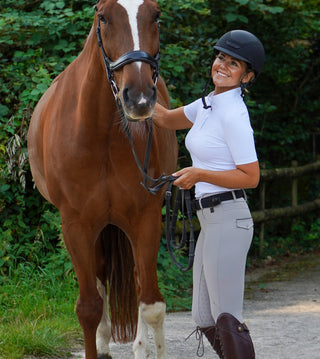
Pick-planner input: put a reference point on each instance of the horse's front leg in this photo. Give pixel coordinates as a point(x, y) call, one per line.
point(80, 242)
point(152, 307)
point(141, 347)
point(152, 315)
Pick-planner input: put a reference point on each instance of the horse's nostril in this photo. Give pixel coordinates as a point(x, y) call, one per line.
point(134, 98)
point(154, 94)
point(125, 95)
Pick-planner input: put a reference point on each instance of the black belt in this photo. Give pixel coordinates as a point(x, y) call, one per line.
point(214, 200)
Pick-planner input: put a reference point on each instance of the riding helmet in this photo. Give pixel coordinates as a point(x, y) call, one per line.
point(244, 46)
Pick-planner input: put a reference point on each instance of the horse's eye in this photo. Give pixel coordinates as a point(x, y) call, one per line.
point(103, 19)
point(156, 19)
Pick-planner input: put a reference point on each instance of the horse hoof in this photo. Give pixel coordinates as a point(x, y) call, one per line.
point(104, 356)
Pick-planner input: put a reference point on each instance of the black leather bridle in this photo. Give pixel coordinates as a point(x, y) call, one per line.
point(129, 57)
point(111, 66)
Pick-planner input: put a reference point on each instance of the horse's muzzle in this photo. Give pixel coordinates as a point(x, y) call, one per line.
point(138, 105)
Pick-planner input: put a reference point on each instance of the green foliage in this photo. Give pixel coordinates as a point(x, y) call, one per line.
point(29, 230)
point(303, 237)
point(175, 285)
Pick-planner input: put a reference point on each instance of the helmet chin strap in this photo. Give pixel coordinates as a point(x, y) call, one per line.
point(203, 97)
point(204, 91)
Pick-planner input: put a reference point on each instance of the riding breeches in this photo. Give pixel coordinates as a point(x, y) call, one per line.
point(220, 260)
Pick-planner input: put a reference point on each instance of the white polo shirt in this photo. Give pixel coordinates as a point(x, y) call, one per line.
point(221, 137)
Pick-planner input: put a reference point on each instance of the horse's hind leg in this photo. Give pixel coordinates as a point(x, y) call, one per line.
point(80, 242)
point(103, 335)
point(104, 329)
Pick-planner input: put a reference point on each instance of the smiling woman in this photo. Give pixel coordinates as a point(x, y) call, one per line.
point(225, 162)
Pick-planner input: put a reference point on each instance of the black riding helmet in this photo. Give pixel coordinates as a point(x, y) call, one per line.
point(244, 46)
point(241, 45)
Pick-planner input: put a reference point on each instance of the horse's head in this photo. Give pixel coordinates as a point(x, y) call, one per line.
point(128, 34)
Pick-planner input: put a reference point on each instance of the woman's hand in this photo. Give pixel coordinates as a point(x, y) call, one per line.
point(187, 177)
point(171, 119)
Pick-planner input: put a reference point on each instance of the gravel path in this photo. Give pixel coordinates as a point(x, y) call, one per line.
point(282, 310)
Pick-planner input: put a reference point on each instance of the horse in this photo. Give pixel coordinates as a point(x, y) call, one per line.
point(82, 162)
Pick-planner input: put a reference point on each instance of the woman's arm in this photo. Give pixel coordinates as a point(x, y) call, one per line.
point(244, 176)
point(172, 119)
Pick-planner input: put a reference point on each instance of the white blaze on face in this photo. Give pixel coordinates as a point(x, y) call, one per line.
point(132, 8)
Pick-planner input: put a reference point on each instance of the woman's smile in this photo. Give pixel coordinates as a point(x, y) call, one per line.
point(222, 74)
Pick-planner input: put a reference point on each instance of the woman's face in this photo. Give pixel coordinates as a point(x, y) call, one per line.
point(228, 73)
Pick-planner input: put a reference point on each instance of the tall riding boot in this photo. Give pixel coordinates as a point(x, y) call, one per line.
point(210, 333)
point(235, 340)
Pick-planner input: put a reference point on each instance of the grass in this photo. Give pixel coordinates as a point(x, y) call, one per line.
point(37, 315)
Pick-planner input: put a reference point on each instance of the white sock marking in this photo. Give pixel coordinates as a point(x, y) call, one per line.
point(104, 329)
point(153, 315)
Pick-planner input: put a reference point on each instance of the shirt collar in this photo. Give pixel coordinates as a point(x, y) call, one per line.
point(223, 97)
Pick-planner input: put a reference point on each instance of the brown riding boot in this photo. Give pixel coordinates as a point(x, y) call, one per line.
point(235, 340)
point(213, 338)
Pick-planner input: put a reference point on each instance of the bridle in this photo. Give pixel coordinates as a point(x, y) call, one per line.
point(156, 183)
point(129, 57)
point(110, 67)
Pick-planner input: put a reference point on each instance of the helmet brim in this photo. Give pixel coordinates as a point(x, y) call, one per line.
point(233, 54)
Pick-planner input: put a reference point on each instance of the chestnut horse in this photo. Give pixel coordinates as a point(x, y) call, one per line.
point(82, 162)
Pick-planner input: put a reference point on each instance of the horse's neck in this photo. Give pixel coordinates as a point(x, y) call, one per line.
point(87, 81)
point(90, 63)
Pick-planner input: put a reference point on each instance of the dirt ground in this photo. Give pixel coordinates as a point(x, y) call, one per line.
point(282, 311)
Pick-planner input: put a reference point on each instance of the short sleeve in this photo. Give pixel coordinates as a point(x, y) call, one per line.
point(239, 137)
point(192, 109)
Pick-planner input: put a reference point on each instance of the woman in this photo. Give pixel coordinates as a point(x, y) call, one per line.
point(224, 158)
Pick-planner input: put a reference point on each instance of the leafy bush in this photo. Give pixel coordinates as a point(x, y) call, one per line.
point(303, 237)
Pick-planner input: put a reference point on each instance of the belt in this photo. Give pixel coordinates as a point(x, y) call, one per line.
point(214, 200)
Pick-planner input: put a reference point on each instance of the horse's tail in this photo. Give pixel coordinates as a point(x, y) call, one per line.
point(121, 289)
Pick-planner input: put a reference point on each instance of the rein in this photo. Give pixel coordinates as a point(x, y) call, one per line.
point(156, 183)
point(183, 202)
